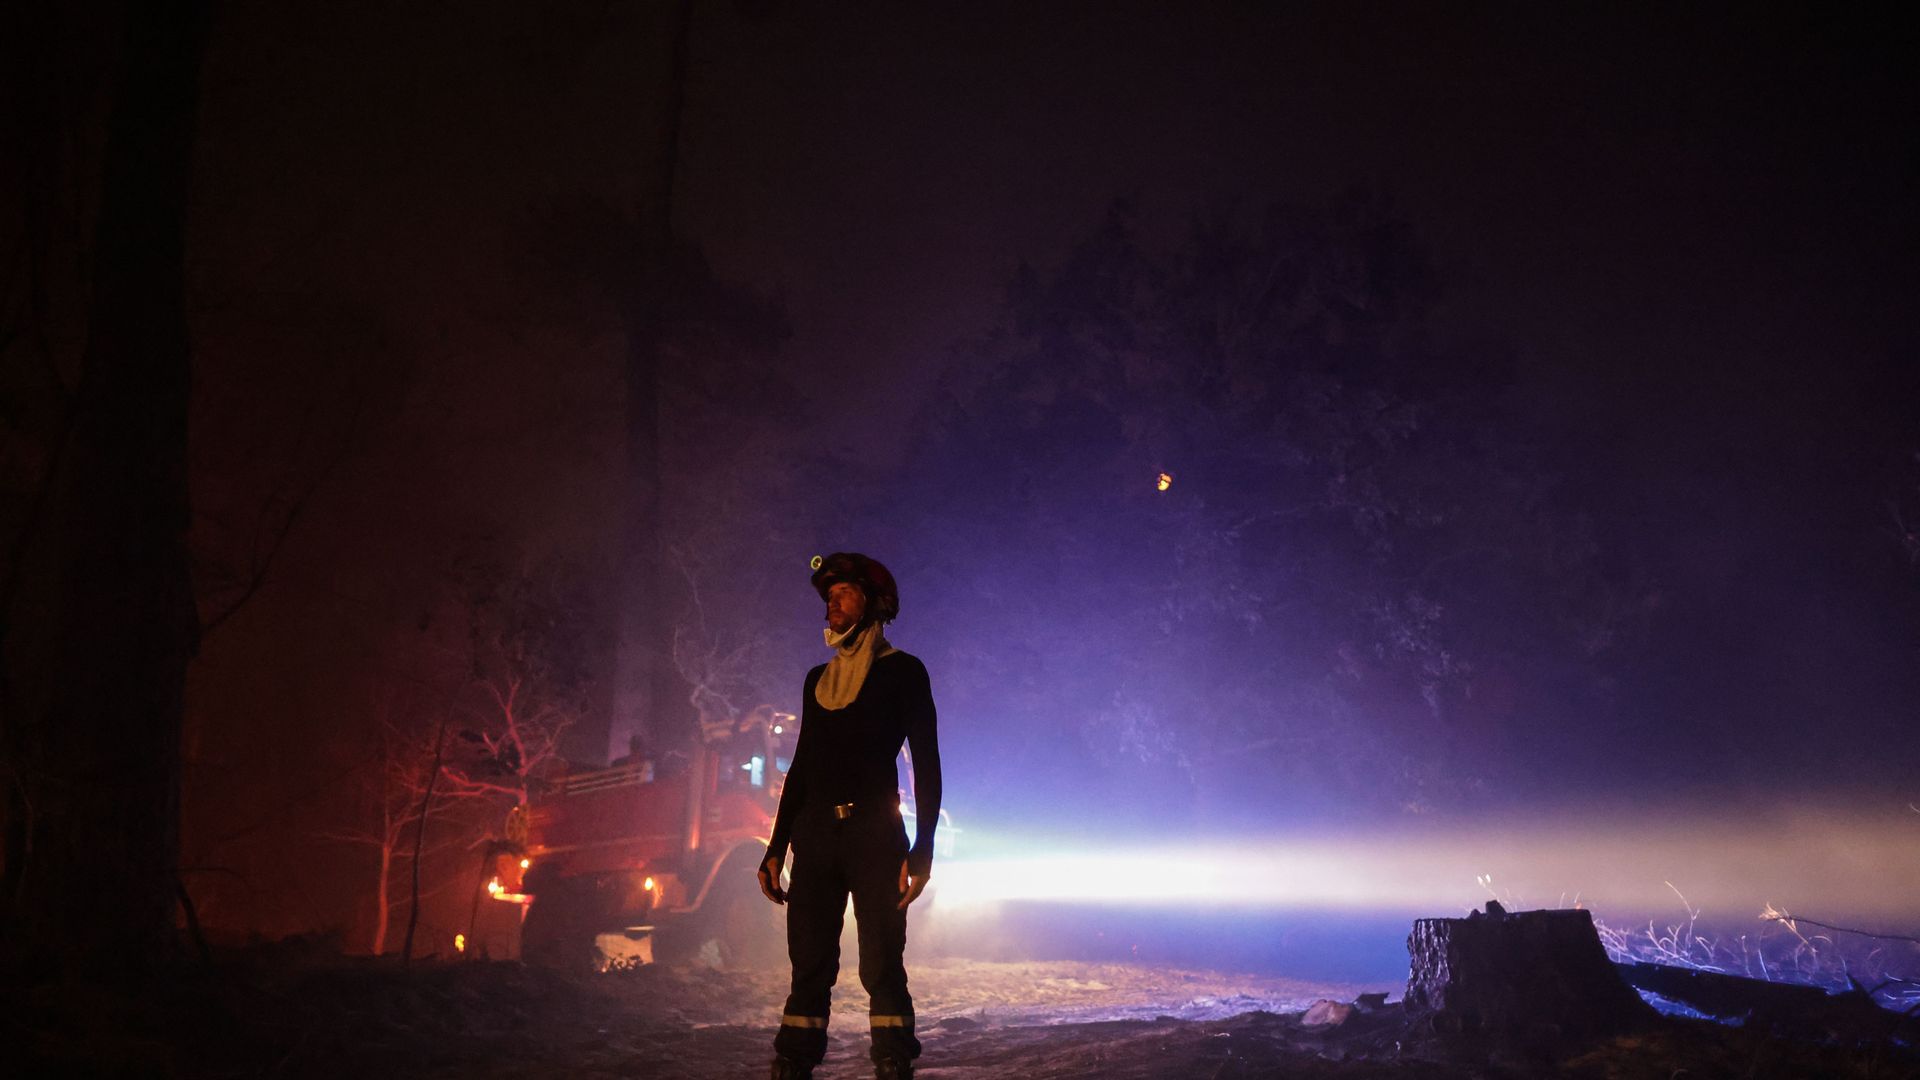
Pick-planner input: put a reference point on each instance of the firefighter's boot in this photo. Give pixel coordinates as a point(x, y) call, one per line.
point(891, 1068)
point(786, 1068)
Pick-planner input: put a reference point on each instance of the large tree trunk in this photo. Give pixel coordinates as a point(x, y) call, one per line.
point(383, 899)
point(100, 696)
point(649, 694)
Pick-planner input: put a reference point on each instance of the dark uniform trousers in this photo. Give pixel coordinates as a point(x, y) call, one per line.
point(860, 855)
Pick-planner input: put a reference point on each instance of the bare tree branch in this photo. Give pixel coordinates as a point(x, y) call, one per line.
point(1792, 921)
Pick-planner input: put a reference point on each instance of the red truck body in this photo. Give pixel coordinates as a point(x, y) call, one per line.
point(663, 862)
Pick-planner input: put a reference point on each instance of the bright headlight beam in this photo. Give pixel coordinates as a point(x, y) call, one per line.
point(1860, 866)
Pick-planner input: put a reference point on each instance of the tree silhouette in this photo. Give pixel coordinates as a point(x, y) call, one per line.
point(99, 622)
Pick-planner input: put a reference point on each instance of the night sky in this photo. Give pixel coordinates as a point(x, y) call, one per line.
point(1666, 259)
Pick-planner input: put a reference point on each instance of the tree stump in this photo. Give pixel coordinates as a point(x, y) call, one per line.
point(1531, 973)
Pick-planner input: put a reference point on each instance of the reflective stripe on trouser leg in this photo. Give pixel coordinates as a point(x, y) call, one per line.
point(893, 1038)
point(801, 1038)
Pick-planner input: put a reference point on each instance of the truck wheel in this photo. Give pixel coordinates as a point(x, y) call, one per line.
point(676, 941)
point(736, 928)
point(560, 927)
point(752, 932)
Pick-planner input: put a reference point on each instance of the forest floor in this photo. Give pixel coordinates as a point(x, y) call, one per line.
point(273, 1014)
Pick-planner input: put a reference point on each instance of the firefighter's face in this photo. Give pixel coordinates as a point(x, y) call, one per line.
point(846, 606)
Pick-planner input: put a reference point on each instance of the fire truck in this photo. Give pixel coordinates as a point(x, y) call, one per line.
point(644, 861)
point(641, 862)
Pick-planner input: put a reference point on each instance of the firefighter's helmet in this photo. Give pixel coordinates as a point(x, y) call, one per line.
point(883, 596)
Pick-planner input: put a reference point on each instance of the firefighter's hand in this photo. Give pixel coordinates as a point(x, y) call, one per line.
point(910, 887)
point(770, 880)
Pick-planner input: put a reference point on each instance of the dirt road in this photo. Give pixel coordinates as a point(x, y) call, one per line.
point(276, 1015)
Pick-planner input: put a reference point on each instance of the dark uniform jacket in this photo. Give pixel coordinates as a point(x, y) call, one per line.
point(847, 755)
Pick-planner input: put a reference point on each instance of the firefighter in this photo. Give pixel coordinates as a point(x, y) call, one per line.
point(840, 811)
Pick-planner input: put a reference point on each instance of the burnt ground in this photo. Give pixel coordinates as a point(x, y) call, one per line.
point(277, 1014)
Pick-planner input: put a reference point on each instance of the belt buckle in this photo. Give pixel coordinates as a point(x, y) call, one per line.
point(842, 811)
